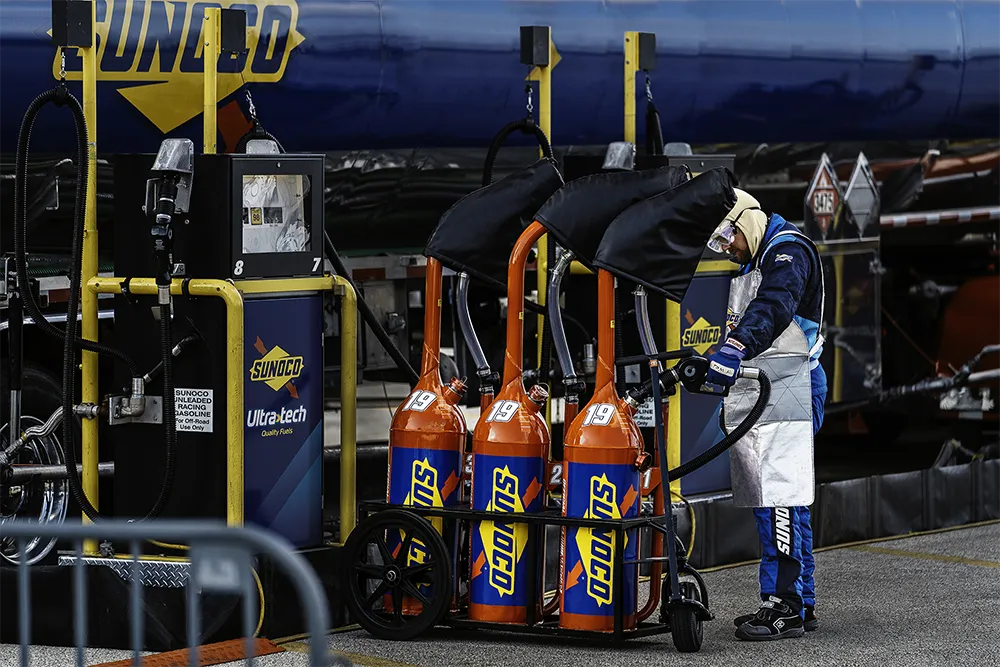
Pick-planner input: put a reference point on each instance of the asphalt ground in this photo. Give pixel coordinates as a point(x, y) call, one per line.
point(930, 599)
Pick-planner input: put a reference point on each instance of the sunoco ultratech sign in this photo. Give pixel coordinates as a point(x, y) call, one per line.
point(283, 416)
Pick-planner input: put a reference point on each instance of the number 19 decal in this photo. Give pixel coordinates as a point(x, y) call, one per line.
point(419, 401)
point(502, 411)
point(599, 414)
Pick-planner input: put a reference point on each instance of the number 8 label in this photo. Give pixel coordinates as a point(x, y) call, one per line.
point(599, 414)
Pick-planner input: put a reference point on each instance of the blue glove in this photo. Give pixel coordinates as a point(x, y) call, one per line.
point(723, 365)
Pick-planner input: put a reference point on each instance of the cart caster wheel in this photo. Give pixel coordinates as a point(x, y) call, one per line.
point(397, 577)
point(685, 626)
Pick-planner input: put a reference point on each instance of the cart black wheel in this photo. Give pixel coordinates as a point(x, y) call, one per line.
point(396, 557)
point(685, 626)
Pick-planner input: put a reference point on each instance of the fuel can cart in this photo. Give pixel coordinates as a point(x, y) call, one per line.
point(418, 564)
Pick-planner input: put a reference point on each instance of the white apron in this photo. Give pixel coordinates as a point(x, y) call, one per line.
point(772, 465)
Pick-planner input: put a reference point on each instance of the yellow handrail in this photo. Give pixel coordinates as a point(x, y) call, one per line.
point(234, 371)
point(348, 405)
point(88, 300)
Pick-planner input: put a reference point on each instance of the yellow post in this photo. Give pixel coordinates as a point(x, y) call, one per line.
point(88, 300)
point(631, 67)
point(673, 307)
point(211, 63)
point(348, 405)
point(674, 401)
point(838, 321)
point(234, 369)
point(543, 75)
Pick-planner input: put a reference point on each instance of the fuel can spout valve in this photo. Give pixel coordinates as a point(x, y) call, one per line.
point(455, 390)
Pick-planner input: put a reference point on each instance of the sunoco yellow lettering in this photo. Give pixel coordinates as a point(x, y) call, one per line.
point(288, 368)
point(600, 564)
point(423, 491)
point(423, 487)
point(701, 335)
point(160, 42)
point(503, 554)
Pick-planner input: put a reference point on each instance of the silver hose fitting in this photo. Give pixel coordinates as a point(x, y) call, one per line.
point(46, 429)
point(136, 402)
point(87, 410)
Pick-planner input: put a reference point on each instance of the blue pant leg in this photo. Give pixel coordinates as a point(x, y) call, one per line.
point(818, 378)
point(808, 563)
point(781, 554)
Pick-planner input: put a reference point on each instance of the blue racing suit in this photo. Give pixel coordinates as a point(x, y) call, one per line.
point(790, 290)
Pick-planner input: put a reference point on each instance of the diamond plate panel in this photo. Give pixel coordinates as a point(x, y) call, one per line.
point(152, 573)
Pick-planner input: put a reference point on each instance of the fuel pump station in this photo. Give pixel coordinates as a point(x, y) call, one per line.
point(256, 220)
point(215, 405)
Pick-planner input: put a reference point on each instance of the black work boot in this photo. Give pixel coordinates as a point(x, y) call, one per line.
point(774, 620)
point(810, 622)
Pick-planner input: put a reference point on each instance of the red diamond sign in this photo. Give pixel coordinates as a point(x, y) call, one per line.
point(823, 197)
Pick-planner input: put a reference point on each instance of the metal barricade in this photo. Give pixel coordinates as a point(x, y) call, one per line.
point(219, 557)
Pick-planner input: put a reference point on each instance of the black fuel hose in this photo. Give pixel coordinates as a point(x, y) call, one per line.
point(525, 125)
point(546, 353)
point(654, 132)
point(366, 312)
point(733, 436)
point(169, 418)
point(58, 96)
point(61, 96)
point(619, 311)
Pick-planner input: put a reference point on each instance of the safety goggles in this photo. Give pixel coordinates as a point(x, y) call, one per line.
point(722, 237)
point(725, 234)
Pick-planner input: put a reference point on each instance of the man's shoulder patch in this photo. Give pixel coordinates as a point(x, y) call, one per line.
point(783, 257)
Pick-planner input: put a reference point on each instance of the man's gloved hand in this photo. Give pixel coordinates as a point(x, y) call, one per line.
point(723, 365)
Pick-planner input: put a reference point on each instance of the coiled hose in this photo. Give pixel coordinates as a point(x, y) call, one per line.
point(61, 96)
point(732, 437)
point(58, 96)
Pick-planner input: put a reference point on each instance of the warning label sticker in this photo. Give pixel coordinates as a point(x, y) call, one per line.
point(644, 417)
point(193, 409)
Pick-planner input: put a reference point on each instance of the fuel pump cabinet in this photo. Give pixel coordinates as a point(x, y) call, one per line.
point(256, 220)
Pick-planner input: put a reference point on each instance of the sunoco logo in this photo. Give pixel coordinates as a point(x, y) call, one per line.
point(424, 486)
point(597, 546)
point(277, 368)
point(503, 543)
point(700, 335)
point(159, 43)
point(424, 492)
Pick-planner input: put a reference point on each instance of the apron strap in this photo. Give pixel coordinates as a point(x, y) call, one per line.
point(819, 267)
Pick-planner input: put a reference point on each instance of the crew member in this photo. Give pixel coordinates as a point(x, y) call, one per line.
point(775, 316)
